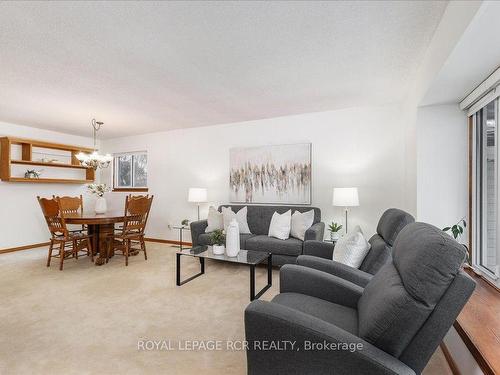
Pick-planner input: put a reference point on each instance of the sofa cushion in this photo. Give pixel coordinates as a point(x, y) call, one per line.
point(259, 217)
point(291, 246)
point(341, 316)
point(204, 239)
point(391, 222)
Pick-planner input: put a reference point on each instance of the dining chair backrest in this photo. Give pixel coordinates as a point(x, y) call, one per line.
point(70, 205)
point(136, 213)
point(52, 213)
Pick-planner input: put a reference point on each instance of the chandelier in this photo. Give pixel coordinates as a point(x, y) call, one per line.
point(94, 160)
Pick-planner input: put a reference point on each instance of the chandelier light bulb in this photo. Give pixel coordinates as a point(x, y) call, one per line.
point(94, 160)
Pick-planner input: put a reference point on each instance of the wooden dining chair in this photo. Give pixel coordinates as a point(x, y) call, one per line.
point(60, 235)
point(71, 205)
point(135, 219)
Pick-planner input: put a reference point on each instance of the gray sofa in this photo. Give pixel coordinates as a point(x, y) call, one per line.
point(398, 319)
point(259, 219)
point(318, 254)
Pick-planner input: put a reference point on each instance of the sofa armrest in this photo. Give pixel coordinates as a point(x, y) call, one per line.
point(341, 353)
point(318, 249)
point(315, 232)
point(303, 280)
point(332, 267)
point(197, 228)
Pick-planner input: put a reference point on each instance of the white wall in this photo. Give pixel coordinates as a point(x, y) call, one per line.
point(361, 147)
point(21, 219)
point(441, 164)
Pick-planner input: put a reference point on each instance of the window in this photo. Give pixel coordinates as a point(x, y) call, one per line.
point(131, 171)
point(485, 255)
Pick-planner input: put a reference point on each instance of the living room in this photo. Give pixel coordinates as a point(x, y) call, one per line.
point(177, 100)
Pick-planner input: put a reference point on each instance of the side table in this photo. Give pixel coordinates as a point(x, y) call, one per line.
point(181, 228)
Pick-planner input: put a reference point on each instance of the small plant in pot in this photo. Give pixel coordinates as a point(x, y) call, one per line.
point(456, 231)
point(218, 239)
point(185, 222)
point(334, 229)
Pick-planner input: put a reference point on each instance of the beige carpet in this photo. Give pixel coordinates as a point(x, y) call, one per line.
point(88, 319)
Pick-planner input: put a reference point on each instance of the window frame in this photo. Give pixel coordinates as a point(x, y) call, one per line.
point(474, 238)
point(115, 170)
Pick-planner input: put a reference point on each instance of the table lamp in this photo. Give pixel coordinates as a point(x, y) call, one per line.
point(345, 197)
point(197, 195)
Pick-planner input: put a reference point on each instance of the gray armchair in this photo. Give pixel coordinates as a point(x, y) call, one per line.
point(318, 254)
point(323, 324)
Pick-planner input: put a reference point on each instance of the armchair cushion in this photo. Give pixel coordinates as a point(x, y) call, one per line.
point(379, 255)
point(391, 222)
point(268, 321)
point(314, 283)
point(342, 316)
point(332, 267)
point(388, 316)
point(427, 260)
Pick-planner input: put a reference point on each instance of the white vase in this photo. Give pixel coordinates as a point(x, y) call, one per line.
point(218, 249)
point(100, 205)
point(334, 236)
point(232, 239)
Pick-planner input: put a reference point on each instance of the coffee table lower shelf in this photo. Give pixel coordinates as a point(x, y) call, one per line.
point(197, 254)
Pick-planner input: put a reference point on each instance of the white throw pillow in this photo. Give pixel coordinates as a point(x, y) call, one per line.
point(241, 217)
point(280, 225)
point(352, 248)
point(300, 223)
point(215, 220)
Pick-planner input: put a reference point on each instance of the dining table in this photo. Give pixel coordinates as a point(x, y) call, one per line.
point(101, 226)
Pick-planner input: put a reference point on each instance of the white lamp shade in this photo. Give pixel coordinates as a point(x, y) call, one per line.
point(197, 195)
point(345, 197)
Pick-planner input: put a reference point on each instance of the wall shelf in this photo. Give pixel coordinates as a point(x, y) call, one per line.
point(27, 145)
point(39, 163)
point(49, 180)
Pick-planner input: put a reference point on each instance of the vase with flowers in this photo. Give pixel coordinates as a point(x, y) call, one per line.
point(99, 190)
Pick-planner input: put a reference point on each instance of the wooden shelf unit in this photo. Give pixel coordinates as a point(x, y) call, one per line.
point(27, 159)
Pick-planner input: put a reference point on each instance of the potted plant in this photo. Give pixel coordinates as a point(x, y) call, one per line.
point(334, 229)
point(456, 231)
point(185, 222)
point(218, 239)
point(99, 190)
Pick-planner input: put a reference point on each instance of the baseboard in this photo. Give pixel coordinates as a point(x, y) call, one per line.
point(449, 359)
point(172, 242)
point(25, 247)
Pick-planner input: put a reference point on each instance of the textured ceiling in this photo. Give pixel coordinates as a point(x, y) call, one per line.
point(143, 67)
point(473, 59)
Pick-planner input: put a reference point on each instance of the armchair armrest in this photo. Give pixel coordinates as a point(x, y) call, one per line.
point(318, 249)
point(315, 232)
point(295, 332)
point(332, 267)
point(303, 280)
point(197, 228)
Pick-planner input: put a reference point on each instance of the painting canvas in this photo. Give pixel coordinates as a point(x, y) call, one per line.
point(271, 174)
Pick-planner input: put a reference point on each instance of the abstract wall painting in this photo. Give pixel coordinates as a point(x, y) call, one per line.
point(271, 174)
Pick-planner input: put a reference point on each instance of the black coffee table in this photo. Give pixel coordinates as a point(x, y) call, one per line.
point(248, 257)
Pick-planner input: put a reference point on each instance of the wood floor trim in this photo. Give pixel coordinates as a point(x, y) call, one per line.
point(25, 247)
point(451, 362)
point(171, 242)
point(35, 245)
